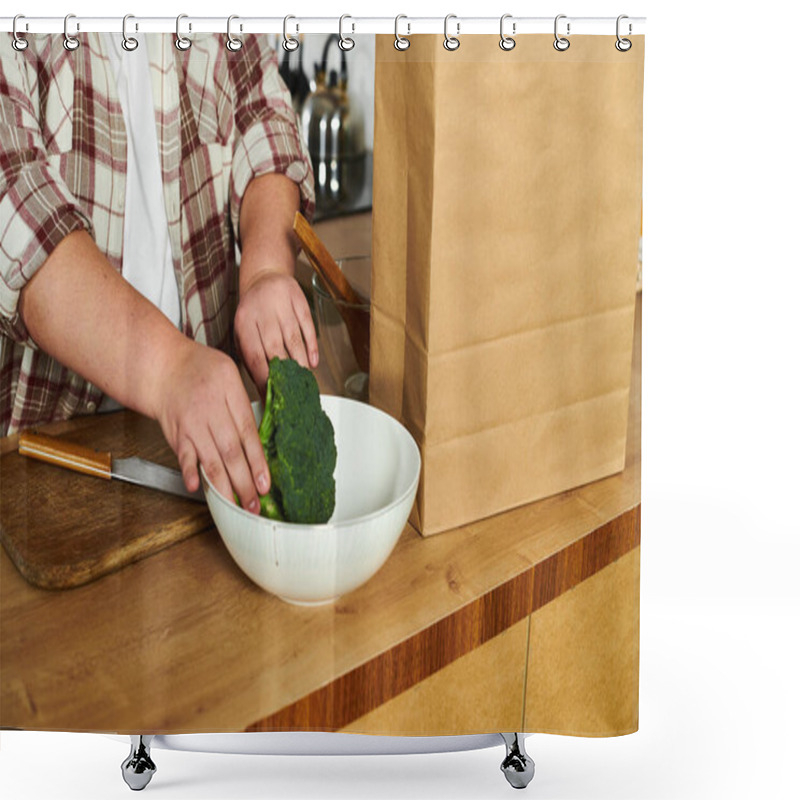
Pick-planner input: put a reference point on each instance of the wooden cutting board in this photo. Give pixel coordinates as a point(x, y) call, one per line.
point(63, 529)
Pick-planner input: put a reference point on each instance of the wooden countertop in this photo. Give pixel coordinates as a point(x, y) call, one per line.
point(183, 642)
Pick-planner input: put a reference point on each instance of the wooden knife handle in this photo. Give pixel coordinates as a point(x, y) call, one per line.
point(65, 454)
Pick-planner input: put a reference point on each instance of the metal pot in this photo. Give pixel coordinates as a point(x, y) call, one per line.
point(333, 128)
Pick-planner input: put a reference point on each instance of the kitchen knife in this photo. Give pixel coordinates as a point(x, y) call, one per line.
point(93, 462)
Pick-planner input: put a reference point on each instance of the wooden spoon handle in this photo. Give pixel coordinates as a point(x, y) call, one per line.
point(65, 454)
point(323, 262)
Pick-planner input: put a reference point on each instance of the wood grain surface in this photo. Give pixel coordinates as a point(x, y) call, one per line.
point(353, 695)
point(483, 690)
point(183, 642)
point(63, 529)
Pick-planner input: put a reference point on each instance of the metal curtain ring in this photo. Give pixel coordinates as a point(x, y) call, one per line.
point(506, 42)
point(623, 45)
point(18, 42)
point(70, 42)
point(561, 44)
point(181, 42)
point(290, 44)
point(400, 42)
point(451, 42)
point(345, 42)
point(129, 43)
point(233, 44)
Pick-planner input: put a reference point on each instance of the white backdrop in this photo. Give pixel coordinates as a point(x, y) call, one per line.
point(720, 603)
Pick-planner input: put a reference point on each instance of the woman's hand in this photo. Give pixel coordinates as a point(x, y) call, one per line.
point(205, 414)
point(274, 320)
point(82, 312)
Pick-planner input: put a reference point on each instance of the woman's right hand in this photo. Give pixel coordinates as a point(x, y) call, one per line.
point(83, 313)
point(205, 414)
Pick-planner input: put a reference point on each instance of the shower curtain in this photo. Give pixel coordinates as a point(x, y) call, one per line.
point(499, 198)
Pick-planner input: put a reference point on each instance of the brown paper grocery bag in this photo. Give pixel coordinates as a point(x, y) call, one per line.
point(506, 211)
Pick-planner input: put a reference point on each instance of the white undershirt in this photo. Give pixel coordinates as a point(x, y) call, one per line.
point(147, 254)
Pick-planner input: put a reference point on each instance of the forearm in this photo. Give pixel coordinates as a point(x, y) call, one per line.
point(82, 312)
point(266, 228)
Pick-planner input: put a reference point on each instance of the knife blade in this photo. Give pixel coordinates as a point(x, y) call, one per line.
point(101, 464)
point(154, 476)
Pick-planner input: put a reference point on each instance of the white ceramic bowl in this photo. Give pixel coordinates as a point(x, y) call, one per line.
point(377, 472)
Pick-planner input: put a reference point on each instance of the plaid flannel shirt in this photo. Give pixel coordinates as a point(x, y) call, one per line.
point(221, 118)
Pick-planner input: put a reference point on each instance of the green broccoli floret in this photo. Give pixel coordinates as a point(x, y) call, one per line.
point(299, 444)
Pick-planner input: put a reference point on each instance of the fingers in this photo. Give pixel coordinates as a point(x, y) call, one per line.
point(255, 359)
point(246, 428)
point(207, 418)
point(209, 451)
point(274, 316)
point(242, 455)
point(232, 457)
point(224, 444)
point(293, 339)
point(271, 340)
point(297, 331)
point(304, 318)
point(233, 460)
point(231, 467)
point(187, 458)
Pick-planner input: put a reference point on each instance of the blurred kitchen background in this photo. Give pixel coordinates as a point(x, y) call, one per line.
point(333, 92)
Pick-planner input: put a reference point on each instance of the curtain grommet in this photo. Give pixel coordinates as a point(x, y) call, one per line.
point(346, 43)
point(129, 43)
point(19, 43)
point(507, 42)
point(561, 43)
point(401, 42)
point(182, 42)
point(451, 43)
point(233, 44)
point(623, 45)
point(290, 43)
point(71, 43)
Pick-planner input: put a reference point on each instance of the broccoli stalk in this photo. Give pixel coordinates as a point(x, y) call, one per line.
point(270, 508)
point(298, 442)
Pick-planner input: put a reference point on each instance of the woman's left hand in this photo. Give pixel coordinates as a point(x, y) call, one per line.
point(273, 320)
